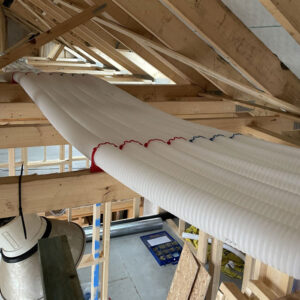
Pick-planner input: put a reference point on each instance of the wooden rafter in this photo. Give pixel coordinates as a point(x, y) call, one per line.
point(251, 91)
point(55, 191)
point(35, 42)
point(214, 22)
point(157, 19)
point(173, 69)
point(60, 15)
point(286, 12)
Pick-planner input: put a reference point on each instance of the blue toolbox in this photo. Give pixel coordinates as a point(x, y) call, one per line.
point(164, 248)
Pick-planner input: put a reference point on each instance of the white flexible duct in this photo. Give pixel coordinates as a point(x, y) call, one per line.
point(211, 179)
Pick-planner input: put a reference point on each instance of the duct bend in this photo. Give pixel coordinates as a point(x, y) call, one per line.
point(20, 266)
point(12, 238)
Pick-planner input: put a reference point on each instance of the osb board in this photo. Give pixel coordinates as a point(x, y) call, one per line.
point(184, 277)
point(201, 284)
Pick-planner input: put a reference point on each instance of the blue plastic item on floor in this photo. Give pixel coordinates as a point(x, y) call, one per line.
point(164, 248)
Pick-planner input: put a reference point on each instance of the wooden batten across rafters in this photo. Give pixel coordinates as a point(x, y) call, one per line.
point(35, 42)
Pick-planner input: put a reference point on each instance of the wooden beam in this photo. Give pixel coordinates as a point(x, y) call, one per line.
point(55, 191)
point(270, 135)
point(245, 88)
point(286, 12)
point(215, 264)
point(60, 279)
point(12, 113)
point(263, 292)
point(3, 30)
point(215, 23)
point(149, 93)
point(231, 291)
point(18, 136)
point(56, 51)
point(35, 42)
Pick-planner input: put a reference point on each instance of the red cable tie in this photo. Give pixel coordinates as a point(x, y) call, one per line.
point(94, 168)
point(152, 140)
point(129, 141)
point(175, 138)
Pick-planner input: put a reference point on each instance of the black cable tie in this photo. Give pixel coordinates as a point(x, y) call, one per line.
point(20, 203)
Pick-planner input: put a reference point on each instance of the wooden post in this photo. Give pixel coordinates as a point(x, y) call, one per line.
point(61, 157)
point(136, 207)
point(106, 243)
point(215, 268)
point(95, 251)
point(181, 227)
point(248, 272)
point(60, 279)
point(11, 162)
point(45, 153)
point(3, 31)
point(70, 157)
point(202, 247)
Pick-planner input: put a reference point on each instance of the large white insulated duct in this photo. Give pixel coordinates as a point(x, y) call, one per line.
point(238, 189)
point(20, 276)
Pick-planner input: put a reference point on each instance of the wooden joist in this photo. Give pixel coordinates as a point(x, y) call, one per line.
point(18, 136)
point(27, 113)
point(35, 42)
point(55, 191)
point(286, 12)
point(149, 93)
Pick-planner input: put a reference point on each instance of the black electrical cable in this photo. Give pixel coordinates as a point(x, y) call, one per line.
point(20, 203)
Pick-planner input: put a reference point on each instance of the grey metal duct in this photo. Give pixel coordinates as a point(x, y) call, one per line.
point(121, 228)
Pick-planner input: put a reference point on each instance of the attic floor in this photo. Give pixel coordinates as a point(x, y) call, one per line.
point(134, 273)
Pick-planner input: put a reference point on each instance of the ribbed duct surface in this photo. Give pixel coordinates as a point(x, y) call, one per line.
point(238, 189)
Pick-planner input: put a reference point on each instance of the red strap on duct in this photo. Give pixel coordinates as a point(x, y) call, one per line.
point(94, 168)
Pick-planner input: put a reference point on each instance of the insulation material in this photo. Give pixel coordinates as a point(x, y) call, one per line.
point(243, 191)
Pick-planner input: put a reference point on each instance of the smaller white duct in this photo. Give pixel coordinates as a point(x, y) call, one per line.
point(12, 238)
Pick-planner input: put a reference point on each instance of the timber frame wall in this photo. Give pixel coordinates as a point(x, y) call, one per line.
point(224, 76)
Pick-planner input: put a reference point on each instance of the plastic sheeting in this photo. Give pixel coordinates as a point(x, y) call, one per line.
point(238, 189)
